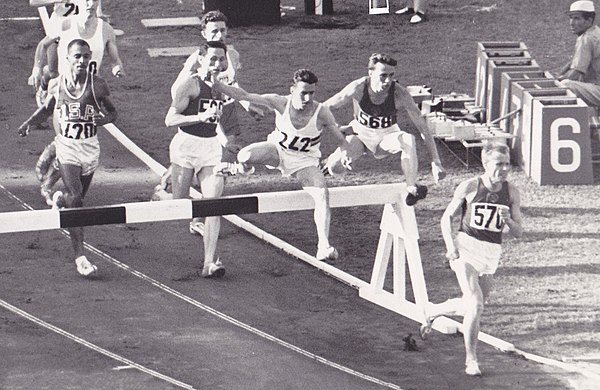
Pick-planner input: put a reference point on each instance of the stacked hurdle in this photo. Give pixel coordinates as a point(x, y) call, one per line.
point(549, 124)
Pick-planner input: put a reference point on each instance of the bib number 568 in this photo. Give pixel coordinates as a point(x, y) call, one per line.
point(557, 144)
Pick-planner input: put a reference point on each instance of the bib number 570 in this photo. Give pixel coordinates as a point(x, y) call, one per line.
point(557, 144)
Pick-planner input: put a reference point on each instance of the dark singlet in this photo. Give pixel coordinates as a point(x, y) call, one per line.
point(76, 113)
point(200, 104)
point(481, 216)
point(376, 116)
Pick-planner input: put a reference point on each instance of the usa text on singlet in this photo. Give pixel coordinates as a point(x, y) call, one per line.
point(76, 113)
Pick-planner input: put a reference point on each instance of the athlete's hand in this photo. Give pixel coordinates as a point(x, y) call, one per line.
point(452, 254)
point(345, 160)
point(346, 130)
point(118, 71)
point(23, 130)
point(438, 171)
point(35, 78)
point(504, 213)
point(211, 115)
point(232, 147)
point(99, 119)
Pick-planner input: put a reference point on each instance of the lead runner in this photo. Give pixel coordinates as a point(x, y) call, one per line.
point(80, 103)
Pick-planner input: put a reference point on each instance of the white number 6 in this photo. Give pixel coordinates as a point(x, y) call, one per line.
point(556, 144)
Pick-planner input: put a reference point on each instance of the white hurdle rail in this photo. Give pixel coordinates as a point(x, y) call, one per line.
point(399, 230)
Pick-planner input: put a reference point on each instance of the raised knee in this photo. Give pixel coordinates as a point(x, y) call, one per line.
point(243, 156)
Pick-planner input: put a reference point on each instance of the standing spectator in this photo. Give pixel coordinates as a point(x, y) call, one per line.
point(416, 8)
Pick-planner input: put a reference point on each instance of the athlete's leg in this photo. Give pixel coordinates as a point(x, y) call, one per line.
point(469, 306)
point(405, 143)
point(468, 280)
point(355, 149)
point(313, 182)
point(181, 181)
point(263, 153)
point(76, 186)
point(212, 187)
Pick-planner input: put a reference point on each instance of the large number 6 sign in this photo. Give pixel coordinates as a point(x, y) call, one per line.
point(556, 144)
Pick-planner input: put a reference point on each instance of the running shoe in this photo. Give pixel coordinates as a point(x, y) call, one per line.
point(84, 267)
point(405, 11)
point(418, 18)
point(55, 198)
point(419, 192)
point(426, 328)
point(197, 227)
point(327, 254)
point(213, 270)
point(472, 368)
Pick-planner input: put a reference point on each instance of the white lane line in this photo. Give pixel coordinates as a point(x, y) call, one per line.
point(214, 312)
point(91, 346)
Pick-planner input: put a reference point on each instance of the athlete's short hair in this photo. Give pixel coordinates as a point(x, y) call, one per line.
point(306, 76)
point(212, 16)
point(493, 147)
point(78, 42)
point(204, 46)
point(376, 58)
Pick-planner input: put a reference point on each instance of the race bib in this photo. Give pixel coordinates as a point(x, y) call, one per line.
point(78, 130)
point(298, 144)
point(486, 216)
point(375, 122)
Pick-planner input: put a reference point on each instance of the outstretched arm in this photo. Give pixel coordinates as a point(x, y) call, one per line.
point(41, 113)
point(272, 101)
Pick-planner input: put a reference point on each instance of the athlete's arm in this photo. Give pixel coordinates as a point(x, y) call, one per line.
point(109, 111)
point(346, 95)
point(513, 218)
point(272, 101)
point(405, 100)
point(113, 51)
point(183, 94)
point(328, 123)
point(450, 214)
point(41, 113)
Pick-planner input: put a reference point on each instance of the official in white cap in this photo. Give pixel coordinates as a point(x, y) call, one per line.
point(582, 73)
